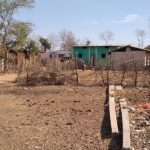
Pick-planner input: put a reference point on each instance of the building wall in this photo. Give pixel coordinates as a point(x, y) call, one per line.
point(85, 53)
point(21, 58)
point(147, 62)
point(126, 57)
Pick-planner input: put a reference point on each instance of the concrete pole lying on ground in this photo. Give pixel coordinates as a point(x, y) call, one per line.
point(125, 124)
point(112, 111)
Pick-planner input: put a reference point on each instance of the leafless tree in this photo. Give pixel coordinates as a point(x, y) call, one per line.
point(54, 41)
point(136, 73)
point(108, 68)
point(76, 68)
point(124, 70)
point(88, 43)
point(107, 36)
point(147, 47)
point(140, 34)
point(67, 40)
point(85, 42)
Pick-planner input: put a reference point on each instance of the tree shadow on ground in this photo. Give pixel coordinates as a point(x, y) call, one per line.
point(115, 140)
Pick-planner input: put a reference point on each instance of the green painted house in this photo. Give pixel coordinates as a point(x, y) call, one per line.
point(97, 53)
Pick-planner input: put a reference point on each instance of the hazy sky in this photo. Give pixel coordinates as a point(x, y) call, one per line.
point(87, 18)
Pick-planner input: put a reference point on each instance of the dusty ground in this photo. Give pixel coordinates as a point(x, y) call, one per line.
point(52, 117)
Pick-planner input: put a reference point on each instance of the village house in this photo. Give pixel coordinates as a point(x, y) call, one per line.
point(96, 54)
point(128, 56)
point(62, 55)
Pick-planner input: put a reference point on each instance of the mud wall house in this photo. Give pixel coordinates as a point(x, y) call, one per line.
point(11, 59)
point(44, 57)
point(24, 57)
point(11, 55)
point(63, 55)
point(128, 55)
point(15, 58)
point(59, 54)
point(98, 53)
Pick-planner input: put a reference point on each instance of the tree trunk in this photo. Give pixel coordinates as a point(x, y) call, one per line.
point(76, 63)
point(5, 59)
point(136, 72)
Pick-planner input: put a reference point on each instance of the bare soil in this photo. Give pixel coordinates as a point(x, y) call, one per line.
point(52, 117)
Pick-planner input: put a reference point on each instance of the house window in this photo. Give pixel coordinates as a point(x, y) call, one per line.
point(103, 55)
point(80, 55)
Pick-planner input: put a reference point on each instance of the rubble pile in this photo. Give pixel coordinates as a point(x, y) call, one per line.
point(138, 101)
point(140, 128)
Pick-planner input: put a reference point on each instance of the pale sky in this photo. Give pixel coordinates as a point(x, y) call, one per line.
point(88, 18)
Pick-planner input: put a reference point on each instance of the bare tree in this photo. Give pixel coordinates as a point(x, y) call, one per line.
point(135, 71)
point(67, 40)
point(147, 47)
point(54, 41)
point(85, 42)
point(107, 36)
point(140, 34)
point(124, 70)
point(88, 43)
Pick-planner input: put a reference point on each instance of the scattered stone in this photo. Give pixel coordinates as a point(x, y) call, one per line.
point(37, 147)
point(29, 105)
point(88, 110)
point(33, 103)
point(46, 123)
point(69, 124)
point(76, 101)
point(69, 90)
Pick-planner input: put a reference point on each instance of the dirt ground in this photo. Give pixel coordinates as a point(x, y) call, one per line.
point(52, 117)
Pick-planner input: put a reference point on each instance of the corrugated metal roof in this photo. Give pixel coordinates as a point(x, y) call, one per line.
point(98, 46)
point(133, 47)
point(63, 52)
